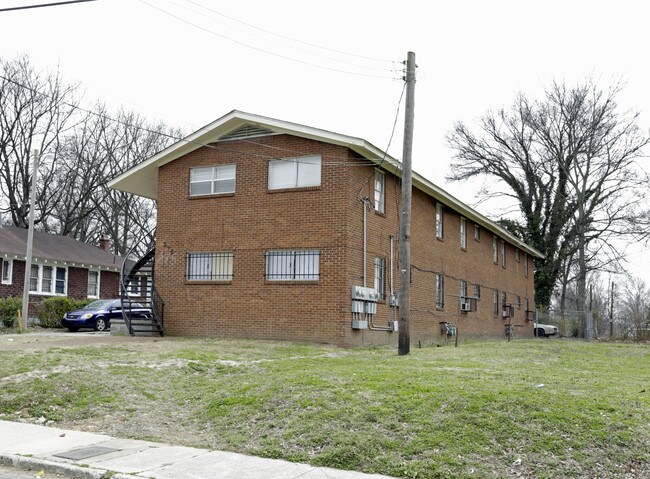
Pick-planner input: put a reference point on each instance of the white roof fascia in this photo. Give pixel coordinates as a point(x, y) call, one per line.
point(146, 182)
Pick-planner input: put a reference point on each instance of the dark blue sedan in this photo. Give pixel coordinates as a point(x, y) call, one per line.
point(98, 314)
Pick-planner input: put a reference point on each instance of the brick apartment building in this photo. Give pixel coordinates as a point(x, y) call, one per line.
point(61, 266)
point(260, 234)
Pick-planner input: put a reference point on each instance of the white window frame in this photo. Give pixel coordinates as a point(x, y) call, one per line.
point(477, 232)
point(439, 221)
point(53, 280)
point(7, 270)
point(517, 255)
point(526, 265)
point(215, 266)
point(98, 272)
point(495, 304)
point(215, 179)
point(380, 191)
point(294, 180)
point(495, 250)
point(440, 291)
point(463, 233)
point(477, 291)
point(503, 253)
point(463, 291)
point(380, 277)
point(277, 270)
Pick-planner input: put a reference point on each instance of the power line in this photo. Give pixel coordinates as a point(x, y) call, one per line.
point(290, 38)
point(262, 50)
point(343, 163)
point(54, 4)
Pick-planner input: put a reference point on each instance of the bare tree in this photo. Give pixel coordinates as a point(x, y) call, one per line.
point(36, 109)
point(568, 162)
point(635, 309)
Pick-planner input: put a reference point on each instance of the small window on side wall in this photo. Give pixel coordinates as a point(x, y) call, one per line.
point(380, 191)
point(439, 221)
point(93, 284)
point(6, 265)
point(463, 233)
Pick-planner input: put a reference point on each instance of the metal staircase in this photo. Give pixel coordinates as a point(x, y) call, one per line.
point(142, 307)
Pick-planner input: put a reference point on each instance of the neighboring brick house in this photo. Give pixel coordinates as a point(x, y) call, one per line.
point(260, 234)
point(61, 266)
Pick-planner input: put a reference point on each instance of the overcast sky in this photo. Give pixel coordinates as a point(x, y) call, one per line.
point(336, 65)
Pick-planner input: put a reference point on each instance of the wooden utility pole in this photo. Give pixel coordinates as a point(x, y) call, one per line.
point(611, 313)
point(30, 242)
point(404, 343)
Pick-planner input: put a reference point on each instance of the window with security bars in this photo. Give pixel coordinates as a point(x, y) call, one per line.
point(293, 265)
point(209, 266)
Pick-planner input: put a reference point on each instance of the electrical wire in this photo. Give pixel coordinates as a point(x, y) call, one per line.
point(265, 39)
point(290, 38)
point(40, 5)
point(262, 50)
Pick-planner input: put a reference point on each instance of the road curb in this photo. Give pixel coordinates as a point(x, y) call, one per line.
point(68, 470)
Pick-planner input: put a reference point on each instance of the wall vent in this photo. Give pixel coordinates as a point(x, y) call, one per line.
point(246, 131)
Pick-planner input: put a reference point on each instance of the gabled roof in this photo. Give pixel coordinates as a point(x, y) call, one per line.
point(53, 248)
point(142, 179)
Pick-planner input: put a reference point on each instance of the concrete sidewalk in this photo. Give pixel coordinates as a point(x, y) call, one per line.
point(86, 455)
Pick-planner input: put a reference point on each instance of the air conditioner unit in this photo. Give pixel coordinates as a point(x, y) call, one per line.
point(465, 307)
point(505, 313)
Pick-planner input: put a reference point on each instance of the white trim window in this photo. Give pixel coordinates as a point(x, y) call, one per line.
point(380, 277)
point(293, 265)
point(463, 233)
point(503, 253)
point(477, 232)
point(517, 255)
point(439, 219)
point(380, 191)
point(440, 291)
point(210, 266)
point(93, 283)
point(213, 180)
point(294, 172)
point(477, 291)
point(495, 250)
point(7, 267)
point(463, 291)
point(495, 304)
point(526, 265)
point(47, 279)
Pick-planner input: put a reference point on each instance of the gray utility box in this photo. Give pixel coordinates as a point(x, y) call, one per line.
point(359, 324)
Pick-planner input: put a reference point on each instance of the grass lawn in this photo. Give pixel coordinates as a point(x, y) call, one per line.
point(478, 410)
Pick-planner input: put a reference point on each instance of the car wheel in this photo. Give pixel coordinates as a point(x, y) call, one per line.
point(100, 324)
point(539, 332)
point(73, 329)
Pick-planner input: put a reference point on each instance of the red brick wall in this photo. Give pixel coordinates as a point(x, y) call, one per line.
point(109, 285)
point(328, 218)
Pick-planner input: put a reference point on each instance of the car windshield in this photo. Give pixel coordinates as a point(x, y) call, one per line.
point(100, 304)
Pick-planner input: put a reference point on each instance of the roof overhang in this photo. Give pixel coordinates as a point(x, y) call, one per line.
point(142, 179)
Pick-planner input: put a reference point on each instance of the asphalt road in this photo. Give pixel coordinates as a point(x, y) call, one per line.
point(7, 472)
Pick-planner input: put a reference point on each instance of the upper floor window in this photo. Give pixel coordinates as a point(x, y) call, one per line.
point(293, 265)
point(517, 255)
point(6, 266)
point(495, 250)
point(212, 180)
point(503, 253)
point(380, 191)
point(526, 265)
point(495, 303)
point(294, 172)
point(477, 291)
point(209, 266)
point(93, 284)
point(463, 233)
point(477, 232)
point(439, 231)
